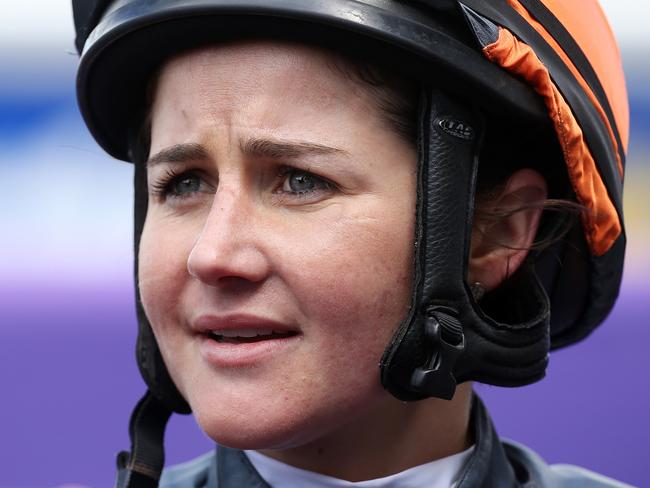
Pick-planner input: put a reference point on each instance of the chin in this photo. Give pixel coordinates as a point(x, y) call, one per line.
point(275, 425)
point(254, 431)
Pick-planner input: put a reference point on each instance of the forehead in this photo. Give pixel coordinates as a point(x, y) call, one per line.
point(267, 84)
point(246, 58)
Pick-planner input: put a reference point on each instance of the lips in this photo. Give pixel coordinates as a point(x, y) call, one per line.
point(241, 327)
point(242, 340)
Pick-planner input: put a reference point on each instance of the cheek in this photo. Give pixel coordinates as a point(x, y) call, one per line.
point(162, 274)
point(360, 278)
point(354, 278)
point(353, 283)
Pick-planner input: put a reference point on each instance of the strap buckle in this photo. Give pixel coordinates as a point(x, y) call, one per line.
point(444, 333)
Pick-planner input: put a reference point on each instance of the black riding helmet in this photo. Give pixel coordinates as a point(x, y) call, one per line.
point(519, 67)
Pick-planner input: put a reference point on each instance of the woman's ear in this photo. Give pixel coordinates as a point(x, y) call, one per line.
point(501, 241)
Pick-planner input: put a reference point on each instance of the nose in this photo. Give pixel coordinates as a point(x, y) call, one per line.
point(228, 249)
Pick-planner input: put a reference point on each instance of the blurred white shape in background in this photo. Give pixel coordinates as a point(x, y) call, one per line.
point(629, 19)
point(36, 23)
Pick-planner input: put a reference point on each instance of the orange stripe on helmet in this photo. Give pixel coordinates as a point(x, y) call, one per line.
point(601, 222)
point(586, 34)
point(590, 29)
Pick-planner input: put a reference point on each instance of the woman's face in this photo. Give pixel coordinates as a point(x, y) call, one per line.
point(276, 258)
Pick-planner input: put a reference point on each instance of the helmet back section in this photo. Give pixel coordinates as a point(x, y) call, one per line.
point(545, 69)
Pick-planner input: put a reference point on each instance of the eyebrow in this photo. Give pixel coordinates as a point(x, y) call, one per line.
point(259, 147)
point(178, 153)
point(279, 149)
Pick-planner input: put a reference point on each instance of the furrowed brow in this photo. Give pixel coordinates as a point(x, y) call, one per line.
point(178, 153)
point(274, 149)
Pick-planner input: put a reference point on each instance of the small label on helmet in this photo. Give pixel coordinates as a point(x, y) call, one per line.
point(457, 128)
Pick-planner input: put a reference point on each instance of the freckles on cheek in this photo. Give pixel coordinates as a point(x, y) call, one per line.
point(360, 275)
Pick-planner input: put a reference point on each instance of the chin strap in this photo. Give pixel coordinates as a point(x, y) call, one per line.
point(141, 468)
point(421, 358)
point(447, 338)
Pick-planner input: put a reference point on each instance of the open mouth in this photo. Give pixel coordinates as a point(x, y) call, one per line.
point(243, 336)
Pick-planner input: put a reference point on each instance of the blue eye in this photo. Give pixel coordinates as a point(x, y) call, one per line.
point(179, 185)
point(184, 185)
point(301, 182)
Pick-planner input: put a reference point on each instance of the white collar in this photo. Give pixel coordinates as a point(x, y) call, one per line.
point(441, 473)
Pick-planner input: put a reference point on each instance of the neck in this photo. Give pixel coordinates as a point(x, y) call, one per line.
point(391, 438)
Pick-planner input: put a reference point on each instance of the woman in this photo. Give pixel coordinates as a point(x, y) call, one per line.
point(309, 263)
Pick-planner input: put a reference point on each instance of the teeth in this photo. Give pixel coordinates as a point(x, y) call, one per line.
point(247, 333)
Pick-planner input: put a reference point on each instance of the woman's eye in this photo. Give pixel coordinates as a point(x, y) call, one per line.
point(301, 182)
point(173, 185)
point(185, 184)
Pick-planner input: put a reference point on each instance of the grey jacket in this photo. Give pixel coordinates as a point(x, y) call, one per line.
point(493, 464)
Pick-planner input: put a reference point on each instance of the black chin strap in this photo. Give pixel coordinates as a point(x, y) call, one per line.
point(447, 338)
point(420, 360)
point(141, 468)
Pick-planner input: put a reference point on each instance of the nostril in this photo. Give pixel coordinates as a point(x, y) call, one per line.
point(227, 256)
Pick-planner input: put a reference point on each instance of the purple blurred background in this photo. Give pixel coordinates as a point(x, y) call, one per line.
point(67, 327)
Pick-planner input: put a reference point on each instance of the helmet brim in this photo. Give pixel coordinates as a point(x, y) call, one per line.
point(133, 40)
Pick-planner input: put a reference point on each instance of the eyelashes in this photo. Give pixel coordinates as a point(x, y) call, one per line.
point(290, 182)
point(177, 184)
point(160, 186)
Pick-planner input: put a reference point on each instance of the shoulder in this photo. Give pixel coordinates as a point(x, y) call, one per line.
point(539, 473)
point(194, 473)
